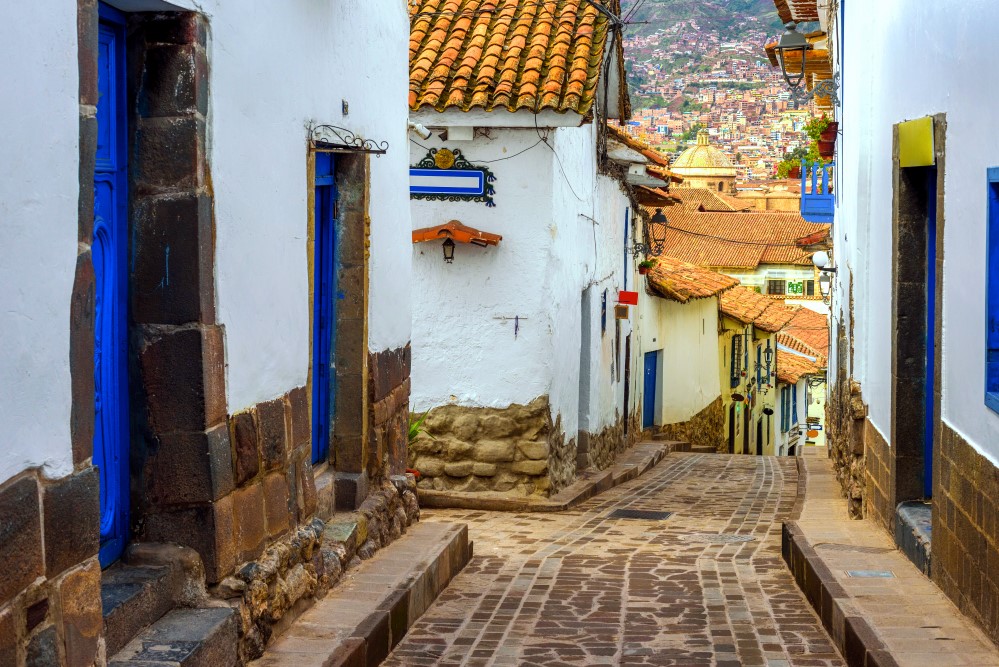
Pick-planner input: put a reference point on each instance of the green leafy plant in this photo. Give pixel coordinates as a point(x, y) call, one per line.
point(647, 264)
point(416, 425)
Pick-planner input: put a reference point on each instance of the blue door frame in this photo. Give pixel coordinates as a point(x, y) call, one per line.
point(109, 253)
point(649, 395)
point(931, 317)
point(324, 306)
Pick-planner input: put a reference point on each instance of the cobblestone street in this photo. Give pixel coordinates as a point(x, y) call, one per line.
point(704, 587)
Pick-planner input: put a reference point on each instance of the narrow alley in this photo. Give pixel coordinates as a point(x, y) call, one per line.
point(705, 586)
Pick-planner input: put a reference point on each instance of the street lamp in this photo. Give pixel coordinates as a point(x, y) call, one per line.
point(792, 42)
point(821, 262)
point(655, 234)
point(448, 250)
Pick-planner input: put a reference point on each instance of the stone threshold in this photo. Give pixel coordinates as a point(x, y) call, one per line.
point(638, 460)
point(371, 609)
point(877, 606)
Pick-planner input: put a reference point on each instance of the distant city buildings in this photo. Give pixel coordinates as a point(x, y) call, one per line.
point(688, 78)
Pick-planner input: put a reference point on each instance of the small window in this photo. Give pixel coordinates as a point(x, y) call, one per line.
point(776, 286)
point(992, 301)
point(758, 365)
point(809, 288)
point(785, 410)
point(721, 187)
point(794, 404)
point(603, 313)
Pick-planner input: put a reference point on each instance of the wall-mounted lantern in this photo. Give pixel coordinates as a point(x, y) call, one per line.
point(455, 231)
point(792, 43)
point(448, 250)
point(655, 235)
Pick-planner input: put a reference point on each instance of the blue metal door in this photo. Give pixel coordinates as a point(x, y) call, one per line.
point(324, 306)
point(109, 256)
point(649, 395)
point(929, 395)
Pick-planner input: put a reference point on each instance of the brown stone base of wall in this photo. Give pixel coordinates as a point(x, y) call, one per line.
point(604, 448)
point(966, 530)
point(273, 590)
point(878, 505)
point(517, 450)
point(50, 590)
point(846, 434)
point(706, 429)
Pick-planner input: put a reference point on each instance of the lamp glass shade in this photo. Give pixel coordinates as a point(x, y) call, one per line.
point(825, 283)
point(820, 259)
point(448, 250)
point(657, 233)
point(792, 42)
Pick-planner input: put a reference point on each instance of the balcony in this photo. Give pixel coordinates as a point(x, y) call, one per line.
point(817, 199)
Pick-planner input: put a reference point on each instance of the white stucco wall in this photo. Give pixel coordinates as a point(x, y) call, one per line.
point(39, 187)
point(885, 44)
point(276, 66)
point(563, 231)
point(689, 378)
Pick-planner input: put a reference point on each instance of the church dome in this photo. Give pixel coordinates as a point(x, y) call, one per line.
point(703, 160)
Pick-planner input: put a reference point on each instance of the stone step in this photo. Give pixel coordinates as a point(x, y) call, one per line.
point(133, 597)
point(361, 620)
point(184, 638)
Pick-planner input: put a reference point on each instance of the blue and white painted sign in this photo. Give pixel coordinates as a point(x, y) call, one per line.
point(446, 175)
point(447, 182)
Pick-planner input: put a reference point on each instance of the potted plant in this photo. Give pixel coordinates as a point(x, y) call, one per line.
point(829, 133)
point(794, 172)
point(645, 265)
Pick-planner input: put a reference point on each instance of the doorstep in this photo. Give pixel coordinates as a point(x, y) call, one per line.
point(636, 461)
point(877, 606)
point(361, 620)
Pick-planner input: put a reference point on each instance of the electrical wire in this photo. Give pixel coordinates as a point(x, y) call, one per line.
point(544, 139)
point(499, 159)
point(766, 244)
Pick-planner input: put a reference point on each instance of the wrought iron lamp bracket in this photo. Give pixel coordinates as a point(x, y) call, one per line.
point(824, 88)
point(335, 139)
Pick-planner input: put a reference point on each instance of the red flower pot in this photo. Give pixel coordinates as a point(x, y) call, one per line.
point(829, 134)
point(827, 149)
point(642, 270)
point(794, 172)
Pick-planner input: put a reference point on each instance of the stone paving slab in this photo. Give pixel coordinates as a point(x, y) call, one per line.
point(703, 587)
point(369, 612)
point(901, 619)
point(636, 461)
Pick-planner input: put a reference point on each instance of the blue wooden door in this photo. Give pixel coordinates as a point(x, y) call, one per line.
point(929, 391)
point(649, 395)
point(109, 255)
point(324, 306)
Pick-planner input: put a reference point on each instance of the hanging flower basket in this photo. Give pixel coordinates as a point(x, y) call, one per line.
point(645, 266)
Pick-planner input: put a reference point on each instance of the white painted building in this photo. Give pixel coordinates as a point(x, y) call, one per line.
point(166, 167)
point(912, 385)
point(528, 319)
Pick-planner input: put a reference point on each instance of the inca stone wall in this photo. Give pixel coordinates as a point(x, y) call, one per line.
point(272, 590)
point(846, 427)
point(705, 429)
point(517, 450)
point(604, 447)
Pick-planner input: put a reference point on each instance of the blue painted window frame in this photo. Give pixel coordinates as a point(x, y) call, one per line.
point(111, 455)
point(992, 297)
point(785, 412)
point(758, 360)
point(324, 296)
point(794, 404)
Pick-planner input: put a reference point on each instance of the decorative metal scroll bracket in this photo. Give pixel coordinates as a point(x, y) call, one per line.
point(334, 139)
point(824, 88)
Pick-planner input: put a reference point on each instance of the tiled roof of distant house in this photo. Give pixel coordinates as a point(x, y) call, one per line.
point(799, 11)
point(507, 54)
point(791, 367)
point(738, 240)
point(811, 328)
point(702, 199)
point(621, 135)
point(750, 307)
point(679, 281)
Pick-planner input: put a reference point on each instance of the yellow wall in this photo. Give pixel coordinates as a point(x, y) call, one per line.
point(747, 387)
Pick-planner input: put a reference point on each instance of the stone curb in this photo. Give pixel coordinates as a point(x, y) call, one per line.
point(362, 620)
point(641, 458)
point(853, 636)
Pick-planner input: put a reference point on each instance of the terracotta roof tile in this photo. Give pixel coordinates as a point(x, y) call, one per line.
point(750, 307)
point(791, 367)
point(620, 135)
point(811, 328)
point(679, 281)
point(702, 199)
point(737, 240)
point(506, 54)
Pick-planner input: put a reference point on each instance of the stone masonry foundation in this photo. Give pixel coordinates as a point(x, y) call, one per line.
point(706, 429)
point(604, 447)
point(518, 450)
